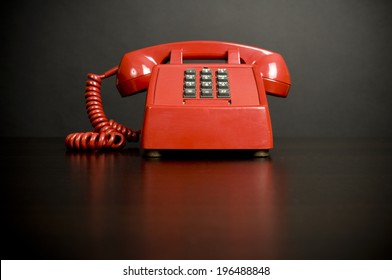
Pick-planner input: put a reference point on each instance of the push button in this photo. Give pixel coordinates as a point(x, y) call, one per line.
point(221, 71)
point(223, 84)
point(190, 77)
point(190, 71)
point(223, 92)
point(205, 77)
point(221, 77)
point(206, 71)
point(190, 84)
point(206, 84)
point(189, 93)
point(206, 93)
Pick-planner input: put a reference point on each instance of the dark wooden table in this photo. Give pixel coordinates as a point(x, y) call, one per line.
point(313, 199)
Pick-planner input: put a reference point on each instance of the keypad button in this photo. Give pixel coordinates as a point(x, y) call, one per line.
point(190, 77)
point(190, 92)
point(205, 77)
point(221, 71)
point(222, 78)
point(206, 71)
point(206, 92)
point(223, 92)
point(206, 84)
point(223, 84)
point(190, 84)
point(190, 71)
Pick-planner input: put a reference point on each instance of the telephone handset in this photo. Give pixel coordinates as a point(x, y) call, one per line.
point(190, 106)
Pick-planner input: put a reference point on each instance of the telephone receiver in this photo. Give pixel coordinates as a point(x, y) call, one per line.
point(136, 67)
point(190, 106)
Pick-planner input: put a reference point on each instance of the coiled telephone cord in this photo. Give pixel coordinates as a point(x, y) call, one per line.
point(108, 134)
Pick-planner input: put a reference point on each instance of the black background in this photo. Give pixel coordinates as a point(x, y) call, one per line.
point(338, 54)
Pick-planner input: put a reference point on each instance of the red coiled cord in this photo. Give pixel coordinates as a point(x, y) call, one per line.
point(107, 134)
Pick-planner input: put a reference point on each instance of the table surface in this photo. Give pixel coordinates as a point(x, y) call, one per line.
point(312, 199)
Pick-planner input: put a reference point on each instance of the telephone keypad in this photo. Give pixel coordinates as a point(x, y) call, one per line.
point(206, 83)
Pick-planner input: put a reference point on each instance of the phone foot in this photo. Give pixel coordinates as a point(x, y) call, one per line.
point(261, 153)
point(152, 154)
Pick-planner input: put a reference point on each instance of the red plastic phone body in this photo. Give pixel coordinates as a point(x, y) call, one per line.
point(238, 119)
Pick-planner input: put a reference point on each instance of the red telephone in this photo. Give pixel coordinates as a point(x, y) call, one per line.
point(196, 106)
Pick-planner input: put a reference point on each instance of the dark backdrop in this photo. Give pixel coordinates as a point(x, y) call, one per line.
point(338, 53)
